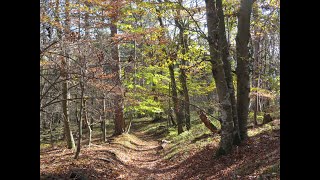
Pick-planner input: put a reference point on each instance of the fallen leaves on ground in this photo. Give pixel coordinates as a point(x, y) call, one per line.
point(136, 157)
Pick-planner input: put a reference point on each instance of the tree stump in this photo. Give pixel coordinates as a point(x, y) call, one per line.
point(267, 118)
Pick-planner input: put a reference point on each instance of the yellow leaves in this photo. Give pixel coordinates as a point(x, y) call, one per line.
point(44, 18)
point(261, 93)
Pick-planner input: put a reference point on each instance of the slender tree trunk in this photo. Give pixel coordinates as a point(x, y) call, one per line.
point(64, 75)
point(176, 106)
point(119, 103)
point(79, 117)
point(210, 95)
point(183, 77)
point(51, 134)
point(65, 92)
point(65, 96)
point(256, 106)
point(220, 80)
point(104, 131)
point(243, 81)
point(256, 45)
point(86, 120)
point(224, 53)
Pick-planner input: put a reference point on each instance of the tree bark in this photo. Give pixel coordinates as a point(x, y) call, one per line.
point(183, 77)
point(176, 106)
point(243, 81)
point(86, 120)
point(65, 104)
point(79, 117)
point(64, 75)
point(103, 120)
point(220, 80)
point(118, 101)
point(224, 53)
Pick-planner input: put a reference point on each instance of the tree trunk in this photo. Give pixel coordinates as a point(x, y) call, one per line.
point(176, 106)
point(183, 77)
point(243, 82)
point(86, 120)
point(65, 96)
point(224, 53)
point(255, 81)
point(51, 134)
point(79, 118)
point(119, 123)
point(220, 80)
point(64, 75)
point(104, 131)
point(175, 99)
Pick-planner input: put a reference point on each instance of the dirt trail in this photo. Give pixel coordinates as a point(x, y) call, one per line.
point(139, 156)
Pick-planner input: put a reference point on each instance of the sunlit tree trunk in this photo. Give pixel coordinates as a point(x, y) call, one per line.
point(243, 81)
point(103, 119)
point(224, 54)
point(183, 77)
point(220, 80)
point(79, 117)
point(86, 120)
point(64, 75)
point(176, 105)
point(118, 101)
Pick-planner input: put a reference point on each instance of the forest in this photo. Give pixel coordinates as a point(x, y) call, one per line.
point(159, 89)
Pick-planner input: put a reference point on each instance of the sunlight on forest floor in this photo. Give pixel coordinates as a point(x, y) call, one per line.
point(187, 156)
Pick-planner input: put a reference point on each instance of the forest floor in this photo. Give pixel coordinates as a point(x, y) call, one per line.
point(143, 155)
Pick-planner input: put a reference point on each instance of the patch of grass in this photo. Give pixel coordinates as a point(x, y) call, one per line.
point(265, 128)
point(44, 146)
point(259, 117)
point(194, 139)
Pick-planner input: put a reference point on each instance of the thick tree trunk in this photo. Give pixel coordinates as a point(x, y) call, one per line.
point(243, 81)
point(220, 80)
point(118, 102)
point(224, 53)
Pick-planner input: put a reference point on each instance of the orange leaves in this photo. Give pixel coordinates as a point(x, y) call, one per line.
point(148, 35)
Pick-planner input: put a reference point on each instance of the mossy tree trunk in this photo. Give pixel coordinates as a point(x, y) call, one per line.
point(220, 80)
point(182, 76)
point(224, 54)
